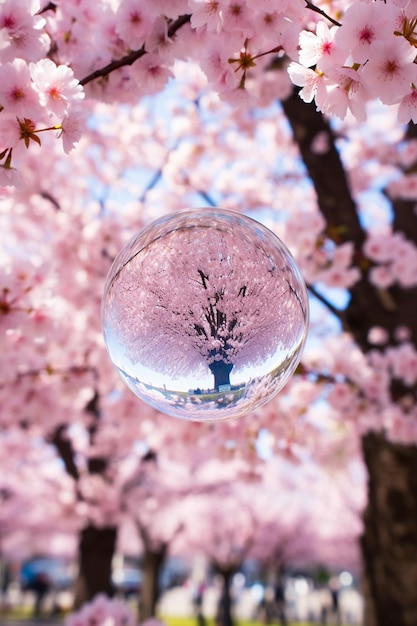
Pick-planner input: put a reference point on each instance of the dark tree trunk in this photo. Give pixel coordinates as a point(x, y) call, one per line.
point(153, 561)
point(390, 536)
point(221, 372)
point(224, 613)
point(389, 544)
point(97, 546)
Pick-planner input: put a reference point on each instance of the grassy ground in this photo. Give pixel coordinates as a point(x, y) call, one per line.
point(24, 613)
point(169, 621)
point(191, 621)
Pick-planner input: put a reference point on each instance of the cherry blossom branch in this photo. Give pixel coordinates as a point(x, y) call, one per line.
point(48, 196)
point(325, 170)
point(152, 183)
point(64, 447)
point(157, 175)
point(133, 56)
point(366, 309)
point(336, 312)
point(206, 197)
point(51, 6)
point(313, 7)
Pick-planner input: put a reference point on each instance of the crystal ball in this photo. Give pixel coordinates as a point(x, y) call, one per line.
point(205, 314)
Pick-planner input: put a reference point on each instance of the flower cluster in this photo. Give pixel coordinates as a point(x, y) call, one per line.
point(394, 259)
point(320, 259)
point(51, 55)
point(103, 611)
point(36, 94)
point(371, 54)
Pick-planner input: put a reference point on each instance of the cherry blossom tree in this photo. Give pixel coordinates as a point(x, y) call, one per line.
point(76, 127)
point(203, 295)
point(153, 496)
point(275, 515)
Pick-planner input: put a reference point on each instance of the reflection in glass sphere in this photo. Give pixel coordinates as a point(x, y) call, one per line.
point(205, 314)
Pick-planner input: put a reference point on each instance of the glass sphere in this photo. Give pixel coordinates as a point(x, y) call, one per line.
point(205, 314)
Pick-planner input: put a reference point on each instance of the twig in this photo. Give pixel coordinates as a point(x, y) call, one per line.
point(206, 197)
point(335, 311)
point(132, 56)
point(313, 7)
point(51, 6)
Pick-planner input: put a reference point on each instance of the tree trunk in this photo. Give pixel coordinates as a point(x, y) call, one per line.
point(389, 541)
point(97, 546)
point(389, 544)
point(224, 614)
point(153, 561)
point(221, 372)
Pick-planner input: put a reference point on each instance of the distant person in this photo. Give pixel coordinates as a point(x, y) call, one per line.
point(5, 582)
point(198, 598)
point(280, 603)
point(40, 585)
point(334, 588)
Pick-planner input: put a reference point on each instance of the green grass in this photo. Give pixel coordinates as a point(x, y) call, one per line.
point(24, 613)
point(191, 621)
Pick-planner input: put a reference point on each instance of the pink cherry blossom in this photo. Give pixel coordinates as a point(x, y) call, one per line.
point(237, 17)
point(363, 24)
point(270, 28)
point(56, 85)
point(341, 396)
point(133, 23)
point(207, 13)
point(17, 95)
point(402, 333)
point(268, 5)
point(171, 8)
point(102, 611)
point(157, 40)
point(72, 128)
point(404, 265)
point(378, 247)
point(9, 131)
point(320, 48)
point(381, 276)
point(341, 277)
point(10, 176)
point(404, 187)
point(407, 111)
point(378, 335)
point(403, 361)
point(390, 71)
point(21, 31)
point(313, 83)
point(346, 92)
point(151, 73)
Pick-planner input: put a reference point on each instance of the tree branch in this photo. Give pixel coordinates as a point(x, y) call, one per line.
point(96, 464)
point(48, 196)
point(51, 6)
point(313, 7)
point(206, 197)
point(133, 56)
point(326, 171)
point(365, 309)
point(65, 450)
point(336, 312)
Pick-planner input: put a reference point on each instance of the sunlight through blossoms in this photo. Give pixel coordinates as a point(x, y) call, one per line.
point(205, 314)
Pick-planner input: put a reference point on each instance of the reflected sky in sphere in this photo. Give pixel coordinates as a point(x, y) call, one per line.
point(205, 314)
